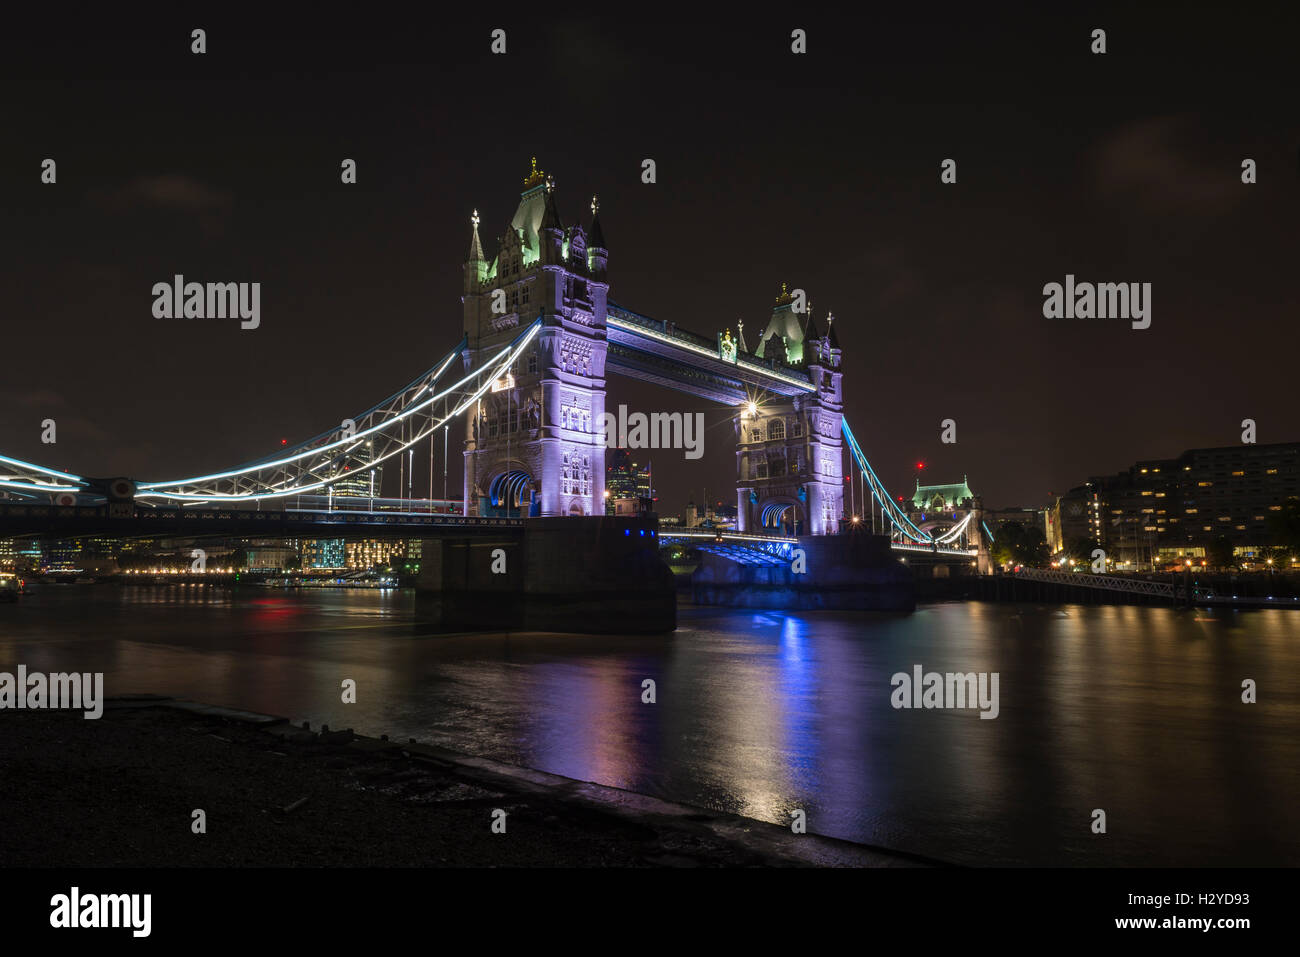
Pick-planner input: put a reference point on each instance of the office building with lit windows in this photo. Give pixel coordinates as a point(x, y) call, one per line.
point(626, 484)
point(367, 484)
point(323, 553)
point(1161, 510)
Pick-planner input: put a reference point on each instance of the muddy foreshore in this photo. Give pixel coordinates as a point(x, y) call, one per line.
point(120, 791)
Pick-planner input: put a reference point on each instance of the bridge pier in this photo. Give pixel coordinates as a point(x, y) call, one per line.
point(856, 572)
point(593, 575)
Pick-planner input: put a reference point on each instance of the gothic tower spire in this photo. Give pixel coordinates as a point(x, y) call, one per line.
point(476, 266)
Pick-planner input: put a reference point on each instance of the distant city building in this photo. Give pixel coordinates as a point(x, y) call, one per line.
point(271, 558)
point(323, 553)
point(1025, 517)
point(87, 555)
point(367, 484)
point(8, 555)
point(711, 515)
point(626, 483)
point(1163, 509)
point(378, 553)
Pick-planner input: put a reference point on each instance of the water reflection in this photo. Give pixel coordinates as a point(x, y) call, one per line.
point(1135, 710)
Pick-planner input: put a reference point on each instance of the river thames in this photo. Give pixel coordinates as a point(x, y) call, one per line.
point(1133, 710)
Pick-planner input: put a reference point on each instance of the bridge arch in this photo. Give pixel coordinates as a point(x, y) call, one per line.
point(783, 515)
point(510, 492)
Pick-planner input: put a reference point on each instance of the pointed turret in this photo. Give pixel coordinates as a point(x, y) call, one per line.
point(475, 244)
point(597, 251)
point(476, 267)
point(823, 350)
point(596, 237)
point(811, 330)
point(550, 230)
point(550, 216)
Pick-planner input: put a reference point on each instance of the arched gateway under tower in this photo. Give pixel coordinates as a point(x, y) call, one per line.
point(534, 445)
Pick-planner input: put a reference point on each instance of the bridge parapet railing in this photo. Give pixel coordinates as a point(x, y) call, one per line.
point(1133, 586)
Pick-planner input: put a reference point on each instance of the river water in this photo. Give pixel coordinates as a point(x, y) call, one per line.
point(1136, 711)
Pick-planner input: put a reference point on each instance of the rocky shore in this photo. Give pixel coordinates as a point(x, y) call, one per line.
point(121, 791)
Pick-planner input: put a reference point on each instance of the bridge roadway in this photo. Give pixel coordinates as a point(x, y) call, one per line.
point(127, 521)
point(71, 521)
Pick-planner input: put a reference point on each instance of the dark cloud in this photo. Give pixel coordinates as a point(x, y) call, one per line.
point(1159, 164)
point(167, 191)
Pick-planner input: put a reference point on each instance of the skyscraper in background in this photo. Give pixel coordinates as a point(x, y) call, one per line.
point(626, 483)
point(365, 484)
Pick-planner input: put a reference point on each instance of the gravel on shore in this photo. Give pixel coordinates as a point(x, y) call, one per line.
point(120, 791)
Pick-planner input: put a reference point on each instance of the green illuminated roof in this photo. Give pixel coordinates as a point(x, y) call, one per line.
point(929, 496)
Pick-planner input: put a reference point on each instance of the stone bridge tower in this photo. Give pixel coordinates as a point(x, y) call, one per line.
point(789, 453)
point(532, 444)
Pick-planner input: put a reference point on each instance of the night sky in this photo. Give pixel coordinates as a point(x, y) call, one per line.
point(821, 171)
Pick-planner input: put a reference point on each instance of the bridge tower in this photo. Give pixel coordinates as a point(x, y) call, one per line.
point(532, 444)
point(789, 454)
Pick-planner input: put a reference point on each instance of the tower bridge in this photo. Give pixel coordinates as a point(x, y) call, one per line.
point(539, 339)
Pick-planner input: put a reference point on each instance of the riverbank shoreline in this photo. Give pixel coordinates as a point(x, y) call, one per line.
point(121, 791)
